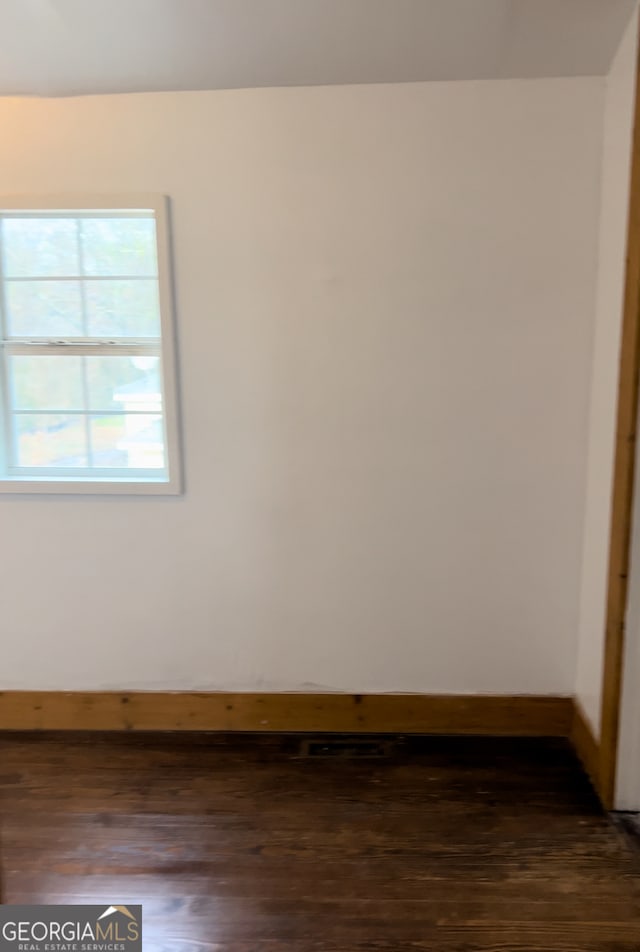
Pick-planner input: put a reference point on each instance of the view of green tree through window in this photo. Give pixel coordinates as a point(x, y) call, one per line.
point(82, 351)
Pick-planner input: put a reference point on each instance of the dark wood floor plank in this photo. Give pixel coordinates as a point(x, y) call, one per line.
point(237, 844)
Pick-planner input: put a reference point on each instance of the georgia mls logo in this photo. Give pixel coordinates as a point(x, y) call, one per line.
point(71, 928)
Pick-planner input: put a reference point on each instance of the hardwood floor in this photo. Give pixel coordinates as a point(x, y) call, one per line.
point(237, 844)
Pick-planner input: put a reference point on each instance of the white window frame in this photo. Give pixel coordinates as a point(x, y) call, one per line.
point(170, 481)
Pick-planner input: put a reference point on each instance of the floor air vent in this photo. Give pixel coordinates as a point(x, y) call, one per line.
point(345, 748)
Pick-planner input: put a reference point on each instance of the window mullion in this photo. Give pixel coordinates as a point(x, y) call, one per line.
point(24, 348)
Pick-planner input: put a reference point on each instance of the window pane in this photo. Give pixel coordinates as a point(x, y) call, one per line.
point(133, 441)
point(44, 308)
point(50, 440)
point(46, 383)
point(44, 247)
point(123, 308)
point(119, 246)
point(124, 383)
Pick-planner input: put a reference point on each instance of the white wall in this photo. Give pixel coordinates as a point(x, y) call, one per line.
point(619, 98)
point(385, 301)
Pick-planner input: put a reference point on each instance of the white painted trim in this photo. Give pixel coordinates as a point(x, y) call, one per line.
point(169, 345)
point(86, 486)
point(83, 201)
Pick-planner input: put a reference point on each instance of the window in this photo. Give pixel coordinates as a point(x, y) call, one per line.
point(88, 397)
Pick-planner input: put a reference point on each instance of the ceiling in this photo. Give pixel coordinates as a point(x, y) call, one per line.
point(74, 47)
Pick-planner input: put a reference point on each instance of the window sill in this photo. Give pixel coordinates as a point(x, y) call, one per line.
point(88, 486)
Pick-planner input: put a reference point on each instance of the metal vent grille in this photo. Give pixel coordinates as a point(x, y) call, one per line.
point(351, 748)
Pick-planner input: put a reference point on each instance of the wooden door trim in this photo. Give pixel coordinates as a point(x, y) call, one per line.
point(623, 484)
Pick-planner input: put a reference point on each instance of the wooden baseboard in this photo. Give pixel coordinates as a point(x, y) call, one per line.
point(349, 713)
point(586, 746)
